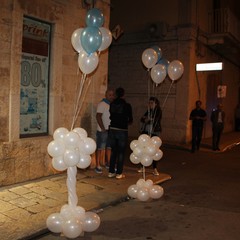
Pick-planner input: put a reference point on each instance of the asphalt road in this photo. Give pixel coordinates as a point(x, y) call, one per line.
point(200, 202)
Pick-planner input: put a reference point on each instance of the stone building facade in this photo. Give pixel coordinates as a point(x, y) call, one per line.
point(192, 32)
point(23, 159)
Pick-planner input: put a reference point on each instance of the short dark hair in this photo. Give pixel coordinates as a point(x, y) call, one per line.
point(120, 92)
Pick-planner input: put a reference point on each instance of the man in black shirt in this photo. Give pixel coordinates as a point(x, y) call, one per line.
point(121, 117)
point(198, 116)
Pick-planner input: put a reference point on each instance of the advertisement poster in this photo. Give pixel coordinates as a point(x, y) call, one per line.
point(34, 78)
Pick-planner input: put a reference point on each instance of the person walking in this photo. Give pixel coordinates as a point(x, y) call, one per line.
point(217, 119)
point(198, 117)
point(103, 122)
point(151, 121)
point(121, 117)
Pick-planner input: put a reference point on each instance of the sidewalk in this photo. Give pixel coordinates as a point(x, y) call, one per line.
point(25, 207)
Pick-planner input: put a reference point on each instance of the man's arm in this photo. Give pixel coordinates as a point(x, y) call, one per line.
point(100, 122)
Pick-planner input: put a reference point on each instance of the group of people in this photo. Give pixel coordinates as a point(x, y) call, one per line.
point(198, 116)
point(114, 115)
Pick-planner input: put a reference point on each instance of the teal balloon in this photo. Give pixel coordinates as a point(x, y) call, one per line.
point(91, 39)
point(164, 62)
point(94, 18)
point(158, 51)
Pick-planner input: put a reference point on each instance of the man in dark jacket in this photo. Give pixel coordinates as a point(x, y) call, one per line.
point(217, 118)
point(121, 117)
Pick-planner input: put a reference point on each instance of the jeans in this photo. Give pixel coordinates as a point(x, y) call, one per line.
point(196, 137)
point(118, 142)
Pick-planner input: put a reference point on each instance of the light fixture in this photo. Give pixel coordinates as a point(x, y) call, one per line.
point(217, 66)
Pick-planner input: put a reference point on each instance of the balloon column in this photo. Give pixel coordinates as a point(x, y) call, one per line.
point(145, 150)
point(69, 150)
point(160, 67)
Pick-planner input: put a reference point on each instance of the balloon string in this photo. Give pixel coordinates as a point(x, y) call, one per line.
point(144, 173)
point(167, 95)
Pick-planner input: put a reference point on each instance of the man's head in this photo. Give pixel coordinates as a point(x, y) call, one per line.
point(120, 92)
point(198, 104)
point(110, 95)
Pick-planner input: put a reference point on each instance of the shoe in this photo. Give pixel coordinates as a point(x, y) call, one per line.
point(120, 176)
point(98, 170)
point(111, 175)
point(140, 170)
point(155, 172)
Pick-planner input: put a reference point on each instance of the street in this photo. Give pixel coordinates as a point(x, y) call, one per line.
point(201, 201)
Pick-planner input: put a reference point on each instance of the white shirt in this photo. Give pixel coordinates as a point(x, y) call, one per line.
point(103, 108)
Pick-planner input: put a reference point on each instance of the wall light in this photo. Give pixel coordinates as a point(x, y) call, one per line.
point(217, 66)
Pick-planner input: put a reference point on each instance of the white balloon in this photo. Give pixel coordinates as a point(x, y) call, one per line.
point(106, 38)
point(91, 222)
point(72, 228)
point(132, 191)
point(158, 155)
point(138, 151)
point(80, 213)
point(140, 183)
point(54, 222)
point(143, 139)
point(149, 57)
point(134, 159)
point(133, 144)
point(71, 157)
point(84, 161)
point(87, 62)
point(158, 73)
point(59, 164)
point(88, 146)
point(156, 191)
point(76, 41)
point(156, 141)
point(81, 132)
point(143, 194)
point(59, 133)
point(146, 160)
point(71, 140)
point(175, 70)
point(148, 183)
point(67, 211)
point(150, 149)
point(56, 148)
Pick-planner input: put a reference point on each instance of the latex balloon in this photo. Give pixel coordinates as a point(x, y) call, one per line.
point(88, 146)
point(91, 222)
point(59, 133)
point(94, 18)
point(54, 222)
point(156, 191)
point(138, 151)
point(149, 58)
point(156, 141)
point(87, 63)
point(56, 148)
point(132, 191)
point(80, 213)
point(106, 38)
point(140, 183)
point(150, 149)
point(133, 144)
point(175, 70)
point(164, 62)
point(158, 155)
point(146, 160)
point(143, 194)
point(91, 39)
point(72, 228)
point(71, 157)
point(158, 73)
point(158, 51)
point(81, 132)
point(143, 139)
point(59, 164)
point(134, 159)
point(71, 140)
point(148, 183)
point(84, 161)
point(76, 39)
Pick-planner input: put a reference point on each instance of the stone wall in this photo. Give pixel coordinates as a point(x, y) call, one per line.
point(24, 159)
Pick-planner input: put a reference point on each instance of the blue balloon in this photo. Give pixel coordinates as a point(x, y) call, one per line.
point(94, 18)
point(164, 62)
point(158, 51)
point(91, 39)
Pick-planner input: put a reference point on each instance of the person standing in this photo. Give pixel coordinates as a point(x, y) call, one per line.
point(103, 122)
point(217, 119)
point(152, 124)
point(198, 117)
point(121, 117)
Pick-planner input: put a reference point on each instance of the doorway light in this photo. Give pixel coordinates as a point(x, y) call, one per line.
point(217, 66)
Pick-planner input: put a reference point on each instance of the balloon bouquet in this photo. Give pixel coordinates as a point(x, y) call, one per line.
point(145, 150)
point(72, 149)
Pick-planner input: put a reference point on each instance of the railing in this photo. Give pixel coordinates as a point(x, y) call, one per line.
point(224, 21)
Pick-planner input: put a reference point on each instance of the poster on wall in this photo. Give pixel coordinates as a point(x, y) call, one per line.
point(34, 78)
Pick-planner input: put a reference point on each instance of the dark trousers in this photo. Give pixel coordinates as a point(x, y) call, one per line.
point(118, 141)
point(217, 132)
point(196, 137)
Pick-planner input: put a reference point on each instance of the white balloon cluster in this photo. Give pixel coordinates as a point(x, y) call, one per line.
point(145, 150)
point(71, 148)
point(160, 67)
point(72, 221)
point(145, 190)
point(90, 40)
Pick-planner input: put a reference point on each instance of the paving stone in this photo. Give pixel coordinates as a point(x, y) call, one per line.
point(17, 213)
point(49, 202)
point(23, 202)
point(7, 195)
point(5, 206)
point(20, 190)
point(33, 195)
point(36, 208)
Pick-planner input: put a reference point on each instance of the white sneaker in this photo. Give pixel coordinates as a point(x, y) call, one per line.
point(120, 176)
point(155, 172)
point(111, 175)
